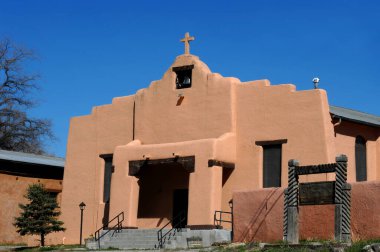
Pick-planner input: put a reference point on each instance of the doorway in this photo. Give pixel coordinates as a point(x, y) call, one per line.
point(163, 194)
point(180, 206)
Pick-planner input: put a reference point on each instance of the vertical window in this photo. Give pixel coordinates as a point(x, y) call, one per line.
point(272, 165)
point(107, 179)
point(361, 158)
point(108, 169)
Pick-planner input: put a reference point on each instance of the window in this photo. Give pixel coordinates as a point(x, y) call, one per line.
point(360, 158)
point(107, 178)
point(53, 195)
point(272, 152)
point(272, 165)
point(183, 76)
point(108, 170)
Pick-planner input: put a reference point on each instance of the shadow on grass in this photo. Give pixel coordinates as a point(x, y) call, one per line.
point(50, 248)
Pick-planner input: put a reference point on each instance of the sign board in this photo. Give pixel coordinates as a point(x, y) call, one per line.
point(194, 242)
point(317, 193)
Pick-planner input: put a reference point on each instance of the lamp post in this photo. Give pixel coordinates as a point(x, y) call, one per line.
point(82, 206)
point(231, 204)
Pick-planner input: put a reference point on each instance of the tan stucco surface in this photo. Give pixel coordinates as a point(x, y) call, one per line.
point(258, 215)
point(217, 118)
point(12, 191)
point(345, 136)
point(89, 137)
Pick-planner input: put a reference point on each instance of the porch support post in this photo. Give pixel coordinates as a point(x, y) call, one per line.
point(124, 194)
point(205, 193)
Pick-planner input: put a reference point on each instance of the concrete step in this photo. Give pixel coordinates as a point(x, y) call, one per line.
point(147, 239)
point(134, 245)
point(131, 239)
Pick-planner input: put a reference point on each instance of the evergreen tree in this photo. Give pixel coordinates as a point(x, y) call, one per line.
point(39, 216)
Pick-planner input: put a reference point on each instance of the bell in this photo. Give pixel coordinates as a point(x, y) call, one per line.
point(186, 80)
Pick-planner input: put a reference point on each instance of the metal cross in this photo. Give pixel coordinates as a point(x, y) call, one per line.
point(186, 40)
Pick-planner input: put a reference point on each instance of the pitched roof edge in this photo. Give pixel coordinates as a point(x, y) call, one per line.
point(355, 116)
point(31, 158)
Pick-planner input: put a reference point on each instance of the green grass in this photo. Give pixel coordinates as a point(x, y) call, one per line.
point(280, 246)
point(12, 244)
point(358, 246)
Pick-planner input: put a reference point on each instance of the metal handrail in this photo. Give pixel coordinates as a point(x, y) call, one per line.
point(162, 237)
point(116, 228)
point(218, 221)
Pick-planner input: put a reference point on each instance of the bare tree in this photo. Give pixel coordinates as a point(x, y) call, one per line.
point(18, 131)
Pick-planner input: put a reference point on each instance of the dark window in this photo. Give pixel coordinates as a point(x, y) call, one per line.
point(107, 179)
point(108, 169)
point(361, 159)
point(183, 76)
point(53, 195)
point(272, 165)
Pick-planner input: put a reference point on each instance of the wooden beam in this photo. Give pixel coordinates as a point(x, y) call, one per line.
point(271, 142)
point(213, 162)
point(181, 68)
point(315, 169)
point(187, 163)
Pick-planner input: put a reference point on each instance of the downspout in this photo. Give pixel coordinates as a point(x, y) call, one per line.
point(339, 122)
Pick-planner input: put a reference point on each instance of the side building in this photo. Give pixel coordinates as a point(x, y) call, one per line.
point(17, 171)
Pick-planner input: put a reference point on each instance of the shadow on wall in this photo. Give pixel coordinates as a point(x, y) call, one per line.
point(269, 199)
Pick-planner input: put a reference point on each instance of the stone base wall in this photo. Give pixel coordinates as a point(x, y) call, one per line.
point(258, 215)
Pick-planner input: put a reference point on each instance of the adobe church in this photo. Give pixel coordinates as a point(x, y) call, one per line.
point(187, 142)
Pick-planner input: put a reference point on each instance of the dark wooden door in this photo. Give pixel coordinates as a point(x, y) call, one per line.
point(272, 165)
point(180, 205)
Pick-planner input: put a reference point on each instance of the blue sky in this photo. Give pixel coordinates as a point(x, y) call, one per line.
point(92, 51)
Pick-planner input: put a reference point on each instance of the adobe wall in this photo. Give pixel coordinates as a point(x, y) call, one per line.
point(205, 187)
point(269, 113)
point(165, 124)
point(90, 136)
point(345, 134)
point(12, 191)
point(258, 215)
point(206, 111)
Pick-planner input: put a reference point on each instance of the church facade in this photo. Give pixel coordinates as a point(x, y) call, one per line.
point(186, 142)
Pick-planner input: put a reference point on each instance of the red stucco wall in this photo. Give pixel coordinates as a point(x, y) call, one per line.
point(258, 215)
point(12, 191)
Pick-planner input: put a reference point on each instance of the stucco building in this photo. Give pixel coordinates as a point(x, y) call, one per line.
point(189, 140)
point(18, 171)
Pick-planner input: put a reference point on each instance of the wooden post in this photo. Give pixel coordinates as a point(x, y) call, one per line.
point(285, 222)
point(293, 230)
point(346, 214)
point(341, 178)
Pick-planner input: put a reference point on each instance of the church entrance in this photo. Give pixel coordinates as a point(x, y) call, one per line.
point(163, 194)
point(180, 206)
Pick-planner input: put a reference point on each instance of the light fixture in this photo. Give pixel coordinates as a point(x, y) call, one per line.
point(315, 81)
point(82, 206)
